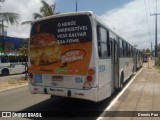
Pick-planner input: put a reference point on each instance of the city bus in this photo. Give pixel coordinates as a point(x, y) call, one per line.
point(77, 55)
point(12, 63)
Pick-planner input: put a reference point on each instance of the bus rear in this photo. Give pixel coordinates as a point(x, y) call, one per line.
point(60, 53)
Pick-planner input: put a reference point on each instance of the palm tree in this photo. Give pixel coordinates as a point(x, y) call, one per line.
point(45, 10)
point(9, 17)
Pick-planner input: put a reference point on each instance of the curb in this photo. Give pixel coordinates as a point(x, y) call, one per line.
point(14, 87)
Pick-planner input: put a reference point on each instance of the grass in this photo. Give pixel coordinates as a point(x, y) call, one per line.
point(158, 66)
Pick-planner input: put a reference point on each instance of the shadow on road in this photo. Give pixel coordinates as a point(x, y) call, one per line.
point(61, 107)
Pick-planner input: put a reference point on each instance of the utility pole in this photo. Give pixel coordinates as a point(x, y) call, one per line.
point(151, 48)
point(156, 29)
point(76, 5)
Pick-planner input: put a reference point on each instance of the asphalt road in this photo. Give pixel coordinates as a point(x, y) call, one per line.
point(20, 99)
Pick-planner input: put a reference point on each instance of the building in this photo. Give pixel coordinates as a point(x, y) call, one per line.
point(12, 44)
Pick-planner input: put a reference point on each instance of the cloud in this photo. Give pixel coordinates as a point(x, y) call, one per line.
point(131, 22)
point(129, 19)
point(25, 8)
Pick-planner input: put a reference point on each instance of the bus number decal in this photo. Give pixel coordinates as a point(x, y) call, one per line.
point(102, 68)
point(78, 80)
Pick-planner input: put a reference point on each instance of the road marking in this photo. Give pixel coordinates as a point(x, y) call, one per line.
point(118, 96)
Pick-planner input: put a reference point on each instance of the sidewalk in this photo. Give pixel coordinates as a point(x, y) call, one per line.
point(142, 95)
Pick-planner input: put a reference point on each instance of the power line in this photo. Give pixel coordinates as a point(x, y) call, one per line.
point(156, 14)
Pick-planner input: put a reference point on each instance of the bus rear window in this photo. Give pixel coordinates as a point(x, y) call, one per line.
point(67, 30)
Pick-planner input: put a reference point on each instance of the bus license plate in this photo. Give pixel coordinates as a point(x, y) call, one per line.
point(57, 78)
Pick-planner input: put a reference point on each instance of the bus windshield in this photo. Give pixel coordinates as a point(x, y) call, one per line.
point(61, 45)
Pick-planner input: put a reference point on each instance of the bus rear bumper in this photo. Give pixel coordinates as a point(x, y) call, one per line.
point(90, 94)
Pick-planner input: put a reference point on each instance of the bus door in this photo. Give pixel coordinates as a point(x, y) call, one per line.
point(115, 63)
point(135, 60)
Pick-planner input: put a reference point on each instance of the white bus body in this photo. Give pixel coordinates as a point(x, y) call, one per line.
point(90, 61)
point(10, 65)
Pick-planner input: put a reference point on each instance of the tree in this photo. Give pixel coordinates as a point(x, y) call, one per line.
point(9, 17)
point(45, 10)
point(147, 50)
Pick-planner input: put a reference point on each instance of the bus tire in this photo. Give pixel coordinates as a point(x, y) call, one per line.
point(51, 96)
point(5, 72)
point(133, 70)
point(121, 81)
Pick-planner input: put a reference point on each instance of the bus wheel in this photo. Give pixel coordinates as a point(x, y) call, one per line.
point(133, 70)
point(121, 82)
point(51, 96)
point(5, 72)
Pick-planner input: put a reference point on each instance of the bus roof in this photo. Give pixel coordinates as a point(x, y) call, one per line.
point(65, 14)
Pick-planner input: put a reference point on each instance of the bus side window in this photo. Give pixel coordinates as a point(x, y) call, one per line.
point(98, 38)
point(121, 48)
point(4, 59)
point(124, 49)
point(13, 59)
point(98, 35)
point(103, 42)
point(131, 51)
point(108, 44)
point(129, 55)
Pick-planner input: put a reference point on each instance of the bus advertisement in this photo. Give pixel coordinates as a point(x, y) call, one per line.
point(62, 49)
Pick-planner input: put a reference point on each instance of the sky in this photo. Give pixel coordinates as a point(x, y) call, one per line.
point(130, 18)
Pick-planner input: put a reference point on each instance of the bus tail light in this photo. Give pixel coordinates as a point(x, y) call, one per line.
point(89, 78)
point(31, 79)
point(31, 75)
point(91, 72)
